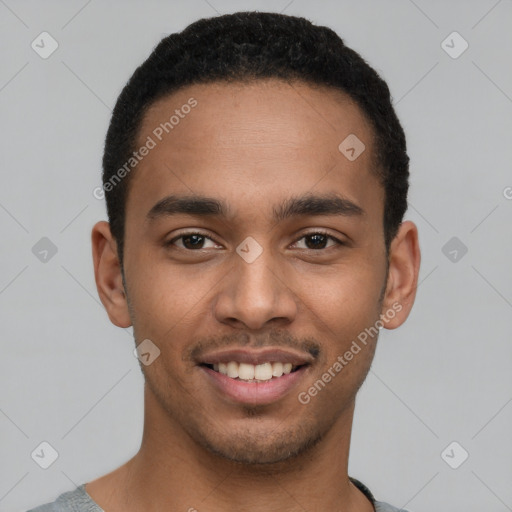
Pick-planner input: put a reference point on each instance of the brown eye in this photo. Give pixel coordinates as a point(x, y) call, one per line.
point(190, 241)
point(318, 240)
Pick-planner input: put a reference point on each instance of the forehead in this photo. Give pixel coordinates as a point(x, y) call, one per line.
point(253, 142)
point(232, 114)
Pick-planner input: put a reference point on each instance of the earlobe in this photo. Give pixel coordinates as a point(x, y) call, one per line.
point(404, 265)
point(108, 276)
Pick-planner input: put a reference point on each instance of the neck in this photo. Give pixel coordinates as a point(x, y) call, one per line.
point(172, 472)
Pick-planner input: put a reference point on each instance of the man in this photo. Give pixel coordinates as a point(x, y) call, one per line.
point(256, 178)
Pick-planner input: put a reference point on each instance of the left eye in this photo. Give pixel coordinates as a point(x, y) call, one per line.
point(313, 241)
point(318, 240)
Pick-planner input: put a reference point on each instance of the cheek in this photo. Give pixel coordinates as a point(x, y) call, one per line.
point(344, 317)
point(342, 310)
point(345, 295)
point(164, 295)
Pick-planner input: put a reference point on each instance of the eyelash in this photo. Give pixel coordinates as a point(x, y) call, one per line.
point(317, 232)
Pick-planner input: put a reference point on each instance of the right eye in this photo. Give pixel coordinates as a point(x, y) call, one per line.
point(192, 241)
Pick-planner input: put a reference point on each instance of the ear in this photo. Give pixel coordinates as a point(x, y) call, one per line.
point(107, 273)
point(404, 266)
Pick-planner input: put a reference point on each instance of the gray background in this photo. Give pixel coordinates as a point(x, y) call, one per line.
point(69, 377)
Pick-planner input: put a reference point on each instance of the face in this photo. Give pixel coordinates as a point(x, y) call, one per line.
point(279, 260)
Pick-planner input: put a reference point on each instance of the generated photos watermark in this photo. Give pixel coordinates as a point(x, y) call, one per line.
point(152, 141)
point(304, 397)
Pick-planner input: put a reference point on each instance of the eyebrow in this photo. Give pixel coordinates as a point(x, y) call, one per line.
point(307, 205)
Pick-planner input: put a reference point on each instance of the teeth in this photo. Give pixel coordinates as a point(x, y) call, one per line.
point(232, 369)
point(277, 369)
point(244, 371)
point(263, 371)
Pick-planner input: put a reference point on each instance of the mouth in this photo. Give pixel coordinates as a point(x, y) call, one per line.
point(256, 378)
point(252, 373)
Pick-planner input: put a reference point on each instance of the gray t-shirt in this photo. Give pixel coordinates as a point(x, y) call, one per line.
point(79, 501)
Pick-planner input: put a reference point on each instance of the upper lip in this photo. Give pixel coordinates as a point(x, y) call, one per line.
point(255, 357)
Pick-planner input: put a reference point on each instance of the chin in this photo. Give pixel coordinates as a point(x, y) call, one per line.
point(263, 448)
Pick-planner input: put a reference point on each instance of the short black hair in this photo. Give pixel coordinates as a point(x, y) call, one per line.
point(247, 46)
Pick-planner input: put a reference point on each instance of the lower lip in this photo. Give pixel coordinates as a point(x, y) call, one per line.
point(257, 393)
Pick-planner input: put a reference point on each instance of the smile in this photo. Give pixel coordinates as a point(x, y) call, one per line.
point(256, 377)
point(254, 373)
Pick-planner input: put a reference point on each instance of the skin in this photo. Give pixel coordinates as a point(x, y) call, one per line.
point(252, 146)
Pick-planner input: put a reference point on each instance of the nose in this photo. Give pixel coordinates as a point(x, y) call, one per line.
point(256, 294)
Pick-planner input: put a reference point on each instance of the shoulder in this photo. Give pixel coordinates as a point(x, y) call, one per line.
point(380, 506)
point(71, 501)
